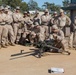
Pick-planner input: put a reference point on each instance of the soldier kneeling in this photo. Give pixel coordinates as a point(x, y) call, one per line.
point(38, 34)
point(58, 36)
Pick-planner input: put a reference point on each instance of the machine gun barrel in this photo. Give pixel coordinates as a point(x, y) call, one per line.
point(45, 47)
point(52, 47)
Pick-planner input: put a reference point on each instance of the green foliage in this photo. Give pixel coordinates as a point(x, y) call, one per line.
point(14, 3)
point(66, 2)
point(51, 6)
point(33, 5)
point(0, 2)
point(24, 6)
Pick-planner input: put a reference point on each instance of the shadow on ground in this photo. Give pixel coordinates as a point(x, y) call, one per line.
point(32, 52)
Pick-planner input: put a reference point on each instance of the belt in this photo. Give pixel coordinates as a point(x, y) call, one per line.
point(8, 23)
point(17, 22)
point(61, 27)
point(2, 24)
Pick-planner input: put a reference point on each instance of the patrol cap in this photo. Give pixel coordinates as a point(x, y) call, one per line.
point(46, 10)
point(61, 10)
point(6, 9)
point(55, 12)
point(55, 27)
point(8, 6)
point(37, 12)
point(28, 13)
point(36, 24)
point(2, 7)
point(18, 7)
point(25, 12)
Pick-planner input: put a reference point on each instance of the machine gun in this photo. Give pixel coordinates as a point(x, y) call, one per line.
point(49, 45)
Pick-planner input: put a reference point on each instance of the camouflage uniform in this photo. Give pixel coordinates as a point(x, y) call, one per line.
point(17, 17)
point(2, 29)
point(37, 34)
point(37, 18)
point(26, 19)
point(63, 20)
point(9, 29)
point(59, 37)
point(27, 30)
point(73, 34)
point(45, 21)
point(54, 19)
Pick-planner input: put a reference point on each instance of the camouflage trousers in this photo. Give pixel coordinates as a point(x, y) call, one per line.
point(17, 31)
point(61, 44)
point(46, 31)
point(9, 31)
point(36, 37)
point(70, 43)
point(3, 34)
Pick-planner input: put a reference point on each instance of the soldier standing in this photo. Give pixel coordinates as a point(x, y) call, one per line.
point(9, 29)
point(37, 18)
point(17, 17)
point(2, 28)
point(26, 18)
point(25, 31)
point(45, 22)
point(54, 20)
point(73, 34)
point(27, 21)
point(63, 20)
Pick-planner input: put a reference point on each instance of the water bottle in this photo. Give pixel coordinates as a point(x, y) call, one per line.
point(56, 70)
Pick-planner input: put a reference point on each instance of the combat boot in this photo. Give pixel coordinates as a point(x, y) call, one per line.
point(17, 42)
point(0, 46)
point(12, 44)
point(7, 44)
point(4, 46)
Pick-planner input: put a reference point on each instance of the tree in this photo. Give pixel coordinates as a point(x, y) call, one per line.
point(24, 6)
point(14, 3)
point(65, 3)
point(46, 5)
point(51, 6)
point(0, 2)
point(33, 5)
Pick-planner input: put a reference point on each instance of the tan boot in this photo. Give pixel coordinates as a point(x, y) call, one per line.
point(0, 46)
point(16, 42)
point(4, 46)
point(12, 44)
point(7, 44)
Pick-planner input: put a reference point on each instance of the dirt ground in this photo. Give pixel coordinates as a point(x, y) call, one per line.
point(29, 64)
